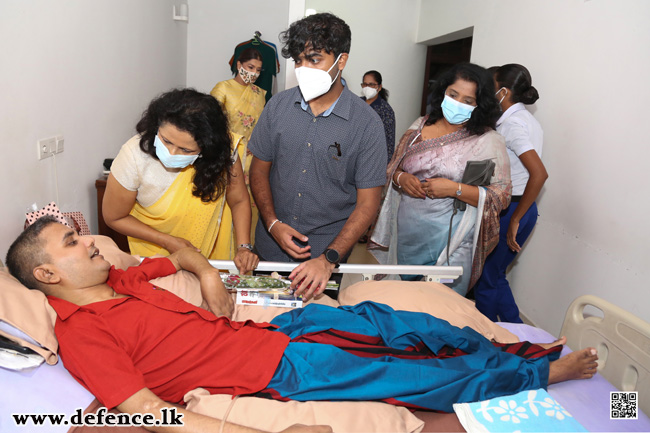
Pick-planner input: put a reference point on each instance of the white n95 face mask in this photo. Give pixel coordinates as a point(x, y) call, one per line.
point(369, 92)
point(315, 82)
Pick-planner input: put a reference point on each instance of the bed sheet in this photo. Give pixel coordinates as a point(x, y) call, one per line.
point(586, 400)
point(51, 389)
point(46, 389)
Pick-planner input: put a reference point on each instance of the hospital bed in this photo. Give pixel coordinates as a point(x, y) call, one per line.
point(623, 342)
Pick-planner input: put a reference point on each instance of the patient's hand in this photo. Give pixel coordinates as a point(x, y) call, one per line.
point(215, 294)
point(246, 260)
point(174, 244)
point(300, 428)
point(212, 289)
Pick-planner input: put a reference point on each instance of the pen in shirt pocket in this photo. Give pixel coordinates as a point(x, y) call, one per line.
point(337, 146)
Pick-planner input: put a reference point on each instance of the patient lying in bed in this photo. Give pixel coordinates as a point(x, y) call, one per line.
point(137, 347)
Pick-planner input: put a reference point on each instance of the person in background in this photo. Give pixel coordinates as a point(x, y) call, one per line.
point(415, 222)
point(376, 96)
point(169, 184)
point(319, 159)
point(243, 103)
point(524, 138)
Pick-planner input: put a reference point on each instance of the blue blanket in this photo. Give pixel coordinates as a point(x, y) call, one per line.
point(527, 411)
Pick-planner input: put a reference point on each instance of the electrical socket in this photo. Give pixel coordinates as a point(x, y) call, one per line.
point(59, 144)
point(46, 147)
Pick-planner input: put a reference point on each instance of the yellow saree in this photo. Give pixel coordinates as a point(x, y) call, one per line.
point(207, 226)
point(243, 105)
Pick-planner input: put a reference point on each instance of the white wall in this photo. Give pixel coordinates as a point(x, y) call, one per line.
point(217, 26)
point(383, 39)
point(87, 70)
point(84, 69)
point(589, 60)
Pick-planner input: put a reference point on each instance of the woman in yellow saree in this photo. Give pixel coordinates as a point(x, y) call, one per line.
point(243, 102)
point(169, 184)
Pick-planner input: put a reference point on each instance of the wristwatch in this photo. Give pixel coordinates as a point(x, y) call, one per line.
point(332, 256)
point(460, 190)
point(249, 247)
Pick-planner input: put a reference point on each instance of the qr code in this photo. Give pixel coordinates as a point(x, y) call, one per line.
point(623, 405)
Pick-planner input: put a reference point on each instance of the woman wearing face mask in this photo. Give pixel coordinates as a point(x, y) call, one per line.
point(243, 102)
point(424, 177)
point(377, 97)
point(169, 184)
point(524, 138)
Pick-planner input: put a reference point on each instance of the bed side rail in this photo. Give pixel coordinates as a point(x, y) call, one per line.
point(622, 340)
point(439, 274)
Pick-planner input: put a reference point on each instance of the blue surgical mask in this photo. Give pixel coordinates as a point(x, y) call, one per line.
point(456, 112)
point(169, 160)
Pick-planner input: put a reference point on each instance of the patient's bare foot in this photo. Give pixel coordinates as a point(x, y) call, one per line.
point(559, 342)
point(576, 365)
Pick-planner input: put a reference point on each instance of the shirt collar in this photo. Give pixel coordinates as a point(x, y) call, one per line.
point(343, 107)
point(64, 309)
point(376, 102)
point(510, 111)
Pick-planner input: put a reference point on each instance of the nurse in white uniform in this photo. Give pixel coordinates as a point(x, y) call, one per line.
point(524, 138)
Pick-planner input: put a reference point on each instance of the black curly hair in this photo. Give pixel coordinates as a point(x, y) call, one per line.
point(517, 79)
point(320, 32)
point(201, 116)
point(485, 114)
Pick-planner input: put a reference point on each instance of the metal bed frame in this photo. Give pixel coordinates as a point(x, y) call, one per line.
point(439, 274)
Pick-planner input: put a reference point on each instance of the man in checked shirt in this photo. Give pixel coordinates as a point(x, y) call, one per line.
point(319, 159)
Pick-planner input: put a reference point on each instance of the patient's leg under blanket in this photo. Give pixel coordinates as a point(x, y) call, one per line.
point(372, 352)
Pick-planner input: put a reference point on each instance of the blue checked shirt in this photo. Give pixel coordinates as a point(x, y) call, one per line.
point(318, 163)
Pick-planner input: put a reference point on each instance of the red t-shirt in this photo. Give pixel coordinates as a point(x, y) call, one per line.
point(154, 339)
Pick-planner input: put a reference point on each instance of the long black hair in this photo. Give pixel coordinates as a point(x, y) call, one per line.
point(320, 32)
point(486, 112)
point(517, 79)
point(383, 93)
point(201, 116)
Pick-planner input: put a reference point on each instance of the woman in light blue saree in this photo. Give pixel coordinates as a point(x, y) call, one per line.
point(424, 177)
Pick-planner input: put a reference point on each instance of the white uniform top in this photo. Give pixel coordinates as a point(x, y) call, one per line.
point(523, 133)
